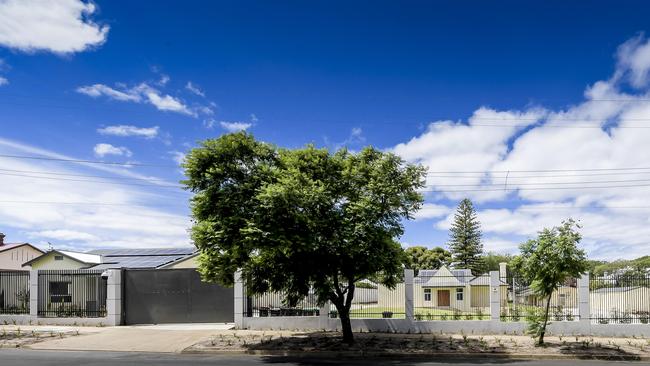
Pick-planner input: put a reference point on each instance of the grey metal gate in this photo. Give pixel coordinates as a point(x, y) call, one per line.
point(155, 296)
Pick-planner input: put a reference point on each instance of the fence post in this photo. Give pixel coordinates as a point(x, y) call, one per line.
point(239, 300)
point(114, 297)
point(583, 300)
point(33, 293)
point(408, 294)
point(495, 296)
point(324, 316)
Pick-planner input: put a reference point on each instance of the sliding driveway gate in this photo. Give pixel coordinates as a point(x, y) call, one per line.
point(174, 296)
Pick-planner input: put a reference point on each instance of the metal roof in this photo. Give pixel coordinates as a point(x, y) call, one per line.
point(143, 252)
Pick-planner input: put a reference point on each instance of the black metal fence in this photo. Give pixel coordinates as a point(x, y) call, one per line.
point(71, 293)
point(276, 304)
point(620, 299)
point(518, 301)
point(14, 292)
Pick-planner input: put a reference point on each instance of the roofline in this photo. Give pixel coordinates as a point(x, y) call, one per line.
point(58, 252)
point(20, 245)
point(163, 266)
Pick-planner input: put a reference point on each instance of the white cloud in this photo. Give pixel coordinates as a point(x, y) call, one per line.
point(235, 126)
point(127, 130)
point(178, 156)
point(606, 131)
point(62, 26)
point(138, 94)
point(432, 210)
point(3, 81)
point(103, 149)
point(64, 211)
point(194, 89)
point(67, 235)
point(98, 90)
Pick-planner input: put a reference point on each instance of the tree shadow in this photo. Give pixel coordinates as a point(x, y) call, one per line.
point(316, 348)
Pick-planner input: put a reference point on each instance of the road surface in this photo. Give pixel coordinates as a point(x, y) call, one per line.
point(23, 357)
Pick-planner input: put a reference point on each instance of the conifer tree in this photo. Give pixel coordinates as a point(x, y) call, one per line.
point(465, 238)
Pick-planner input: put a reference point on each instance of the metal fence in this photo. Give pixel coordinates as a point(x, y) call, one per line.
point(71, 293)
point(620, 299)
point(276, 304)
point(373, 300)
point(14, 292)
point(456, 295)
point(519, 301)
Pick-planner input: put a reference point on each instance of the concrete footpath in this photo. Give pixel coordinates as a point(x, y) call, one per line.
point(154, 338)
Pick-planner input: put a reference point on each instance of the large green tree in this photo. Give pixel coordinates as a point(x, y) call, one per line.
point(300, 220)
point(419, 257)
point(547, 262)
point(465, 238)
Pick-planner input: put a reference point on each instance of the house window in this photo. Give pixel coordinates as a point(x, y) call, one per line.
point(58, 257)
point(59, 292)
point(427, 294)
point(459, 294)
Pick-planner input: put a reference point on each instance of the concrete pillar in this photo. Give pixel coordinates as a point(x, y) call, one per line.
point(33, 293)
point(324, 315)
point(408, 294)
point(495, 296)
point(239, 301)
point(583, 299)
point(114, 297)
point(503, 270)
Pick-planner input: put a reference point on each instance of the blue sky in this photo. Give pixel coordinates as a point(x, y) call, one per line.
point(564, 86)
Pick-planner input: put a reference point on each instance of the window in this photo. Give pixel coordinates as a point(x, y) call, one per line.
point(427, 294)
point(59, 292)
point(58, 257)
point(459, 294)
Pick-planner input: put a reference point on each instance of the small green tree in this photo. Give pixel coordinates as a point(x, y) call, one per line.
point(419, 257)
point(301, 221)
point(465, 238)
point(546, 263)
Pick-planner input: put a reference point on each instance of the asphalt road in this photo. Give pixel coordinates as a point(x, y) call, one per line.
point(22, 357)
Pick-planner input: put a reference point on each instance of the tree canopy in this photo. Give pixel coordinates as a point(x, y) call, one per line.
point(300, 220)
point(549, 261)
point(420, 257)
point(465, 238)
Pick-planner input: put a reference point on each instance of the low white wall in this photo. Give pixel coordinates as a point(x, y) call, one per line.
point(315, 323)
point(32, 320)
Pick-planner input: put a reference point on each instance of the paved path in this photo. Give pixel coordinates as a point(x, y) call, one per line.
point(13, 357)
point(167, 338)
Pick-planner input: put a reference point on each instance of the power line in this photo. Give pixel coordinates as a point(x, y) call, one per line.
point(148, 179)
point(533, 188)
point(535, 170)
point(91, 181)
point(86, 161)
point(539, 183)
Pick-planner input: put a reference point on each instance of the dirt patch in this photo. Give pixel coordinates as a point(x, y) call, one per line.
point(17, 337)
point(413, 344)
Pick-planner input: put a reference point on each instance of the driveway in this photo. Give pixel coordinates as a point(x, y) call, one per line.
point(14, 357)
point(168, 338)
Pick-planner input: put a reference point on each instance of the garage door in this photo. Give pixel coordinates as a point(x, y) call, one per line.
point(174, 296)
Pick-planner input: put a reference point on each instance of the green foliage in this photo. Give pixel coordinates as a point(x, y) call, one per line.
point(465, 238)
point(536, 322)
point(420, 257)
point(490, 261)
point(302, 219)
point(638, 266)
point(549, 261)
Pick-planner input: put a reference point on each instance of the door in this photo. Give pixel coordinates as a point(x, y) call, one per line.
point(174, 296)
point(443, 297)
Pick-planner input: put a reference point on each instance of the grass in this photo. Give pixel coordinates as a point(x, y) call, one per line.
point(424, 313)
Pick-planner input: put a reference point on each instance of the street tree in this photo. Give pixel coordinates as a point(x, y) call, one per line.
point(300, 221)
point(465, 238)
point(546, 263)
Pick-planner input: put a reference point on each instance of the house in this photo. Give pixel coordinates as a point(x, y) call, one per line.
point(446, 289)
point(63, 259)
point(13, 255)
point(610, 301)
point(190, 261)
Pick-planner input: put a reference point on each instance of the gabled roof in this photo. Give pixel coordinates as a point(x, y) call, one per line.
point(443, 277)
point(83, 258)
point(8, 246)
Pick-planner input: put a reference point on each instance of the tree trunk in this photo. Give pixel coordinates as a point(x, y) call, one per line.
point(543, 331)
point(346, 326)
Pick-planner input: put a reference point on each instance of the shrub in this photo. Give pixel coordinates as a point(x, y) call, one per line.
point(387, 314)
point(457, 314)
